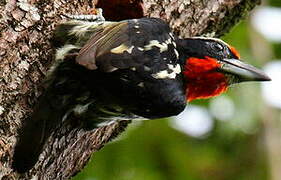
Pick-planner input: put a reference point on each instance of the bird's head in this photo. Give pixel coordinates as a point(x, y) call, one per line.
point(210, 66)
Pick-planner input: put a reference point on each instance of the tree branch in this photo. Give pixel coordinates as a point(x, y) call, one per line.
point(26, 54)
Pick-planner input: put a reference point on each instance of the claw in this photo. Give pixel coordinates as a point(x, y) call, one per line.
point(96, 16)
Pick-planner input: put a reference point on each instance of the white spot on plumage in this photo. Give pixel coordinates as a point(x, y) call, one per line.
point(121, 49)
point(62, 52)
point(140, 48)
point(81, 27)
point(168, 41)
point(138, 32)
point(141, 84)
point(155, 43)
point(146, 68)
point(172, 35)
point(81, 108)
point(133, 69)
point(177, 53)
point(176, 69)
point(130, 50)
point(123, 79)
point(112, 69)
point(137, 26)
point(164, 74)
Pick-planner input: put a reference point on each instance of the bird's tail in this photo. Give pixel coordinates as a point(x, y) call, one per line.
point(34, 134)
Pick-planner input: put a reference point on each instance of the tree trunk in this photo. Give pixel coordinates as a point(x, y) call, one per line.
point(26, 54)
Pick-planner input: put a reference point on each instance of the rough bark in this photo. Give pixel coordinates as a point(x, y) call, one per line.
point(26, 54)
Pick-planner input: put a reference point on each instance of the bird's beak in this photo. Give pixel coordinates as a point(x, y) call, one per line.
point(243, 71)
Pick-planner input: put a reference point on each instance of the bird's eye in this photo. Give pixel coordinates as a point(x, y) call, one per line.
point(218, 47)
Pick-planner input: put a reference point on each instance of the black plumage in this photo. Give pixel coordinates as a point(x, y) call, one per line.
point(105, 71)
point(110, 71)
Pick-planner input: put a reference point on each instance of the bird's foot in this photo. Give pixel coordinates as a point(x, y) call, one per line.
point(94, 15)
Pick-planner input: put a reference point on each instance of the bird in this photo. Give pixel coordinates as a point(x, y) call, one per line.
point(132, 69)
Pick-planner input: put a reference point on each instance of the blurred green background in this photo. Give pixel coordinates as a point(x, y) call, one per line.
point(237, 136)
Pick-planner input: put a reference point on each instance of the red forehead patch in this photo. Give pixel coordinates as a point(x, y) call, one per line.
point(234, 51)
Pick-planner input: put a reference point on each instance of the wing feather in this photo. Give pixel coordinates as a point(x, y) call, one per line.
point(127, 44)
point(104, 39)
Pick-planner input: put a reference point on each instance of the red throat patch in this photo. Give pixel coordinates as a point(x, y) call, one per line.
point(203, 81)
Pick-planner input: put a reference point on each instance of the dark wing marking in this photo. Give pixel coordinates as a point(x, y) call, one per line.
point(127, 44)
point(105, 38)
